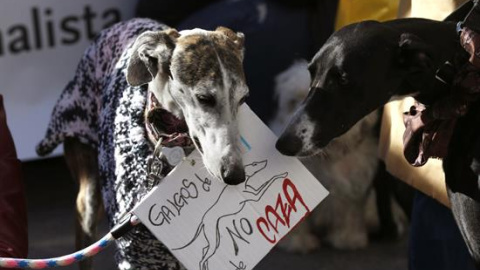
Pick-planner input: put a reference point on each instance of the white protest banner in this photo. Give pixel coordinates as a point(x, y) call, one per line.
point(209, 225)
point(41, 43)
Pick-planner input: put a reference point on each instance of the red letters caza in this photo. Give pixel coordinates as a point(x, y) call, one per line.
point(280, 215)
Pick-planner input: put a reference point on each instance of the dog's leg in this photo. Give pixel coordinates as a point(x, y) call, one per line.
point(212, 235)
point(462, 187)
point(462, 171)
point(82, 162)
point(352, 178)
point(467, 215)
point(301, 239)
point(383, 192)
point(391, 226)
point(349, 231)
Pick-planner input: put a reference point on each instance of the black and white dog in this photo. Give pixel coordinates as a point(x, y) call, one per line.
point(347, 168)
point(363, 66)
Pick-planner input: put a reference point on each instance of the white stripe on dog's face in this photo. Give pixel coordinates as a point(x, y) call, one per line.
point(304, 131)
point(298, 138)
point(209, 86)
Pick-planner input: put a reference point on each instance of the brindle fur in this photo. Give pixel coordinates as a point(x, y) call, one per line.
point(177, 67)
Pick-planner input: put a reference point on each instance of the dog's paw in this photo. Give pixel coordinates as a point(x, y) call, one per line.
point(299, 243)
point(348, 241)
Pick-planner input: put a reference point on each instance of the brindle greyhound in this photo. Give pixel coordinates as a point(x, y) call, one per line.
point(197, 76)
point(363, 66)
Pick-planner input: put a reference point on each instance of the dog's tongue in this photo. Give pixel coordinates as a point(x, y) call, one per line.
point(425, 138)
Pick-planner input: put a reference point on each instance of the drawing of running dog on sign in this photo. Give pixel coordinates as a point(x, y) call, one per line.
point(227, 206)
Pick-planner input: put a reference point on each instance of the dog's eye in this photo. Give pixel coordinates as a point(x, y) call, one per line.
point(207, 100)
point(343, 78)
point(338, 77)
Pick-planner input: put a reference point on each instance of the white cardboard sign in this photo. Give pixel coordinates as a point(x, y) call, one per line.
point(209, 225)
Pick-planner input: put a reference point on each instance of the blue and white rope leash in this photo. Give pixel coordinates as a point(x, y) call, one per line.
point(117, 232)
point(163, 158)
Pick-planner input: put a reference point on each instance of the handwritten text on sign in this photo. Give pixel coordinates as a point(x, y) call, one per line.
point(209, 225)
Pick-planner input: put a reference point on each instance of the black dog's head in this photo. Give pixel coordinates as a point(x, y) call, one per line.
point(360, 68)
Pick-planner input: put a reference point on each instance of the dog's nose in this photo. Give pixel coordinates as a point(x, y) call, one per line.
point(233, 176)
point(289, 145)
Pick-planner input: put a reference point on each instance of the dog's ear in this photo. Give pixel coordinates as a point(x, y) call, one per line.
point(151, 55)
point(414, 53)
point(237, 38)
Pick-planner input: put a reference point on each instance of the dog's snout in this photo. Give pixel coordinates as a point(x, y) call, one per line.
point(289, 145)
point(233, 176)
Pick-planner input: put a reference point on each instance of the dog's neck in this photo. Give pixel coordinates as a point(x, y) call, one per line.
point(444, 41)
point(161, 88)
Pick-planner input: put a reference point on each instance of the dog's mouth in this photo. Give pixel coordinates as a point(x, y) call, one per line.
point(197, 144)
